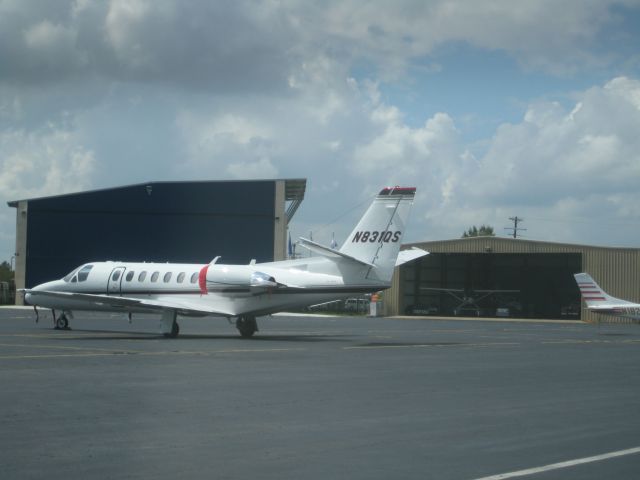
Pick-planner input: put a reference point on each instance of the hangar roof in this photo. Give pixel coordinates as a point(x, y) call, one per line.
point(294, 188)
point(506, 245)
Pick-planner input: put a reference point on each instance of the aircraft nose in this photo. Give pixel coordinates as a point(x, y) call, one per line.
point(55, 285)
point(40, 287)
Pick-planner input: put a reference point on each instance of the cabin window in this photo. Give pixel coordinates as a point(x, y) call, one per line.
point(115, 276)
point(154, 276)
point(194, 278)
point(130, 275)
point(84, 273)
point(167, 277)
point(180, 278)
point(142, 276)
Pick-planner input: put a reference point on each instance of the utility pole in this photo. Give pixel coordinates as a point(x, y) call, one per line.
point(515, 228)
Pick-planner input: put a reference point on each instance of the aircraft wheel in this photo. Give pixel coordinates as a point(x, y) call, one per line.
point(62, 323)
point(175, 331)
point(247, 326)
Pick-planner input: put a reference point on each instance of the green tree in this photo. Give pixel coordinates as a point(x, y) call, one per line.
point(6, 274)
point(483, 231)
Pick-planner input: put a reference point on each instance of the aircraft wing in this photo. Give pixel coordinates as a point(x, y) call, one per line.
point(471, 291)
point(448, 290)
point(89, 301)
point(497, 291)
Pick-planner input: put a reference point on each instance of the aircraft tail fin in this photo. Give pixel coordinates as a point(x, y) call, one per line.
point(593, 295)
point(377, 237)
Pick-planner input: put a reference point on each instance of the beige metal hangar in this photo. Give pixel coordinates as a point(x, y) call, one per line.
point(529, 279)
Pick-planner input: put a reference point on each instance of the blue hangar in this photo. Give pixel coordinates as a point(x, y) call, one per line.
point(188, 222)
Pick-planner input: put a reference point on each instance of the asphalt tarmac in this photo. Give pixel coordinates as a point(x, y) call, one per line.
point(318, 398)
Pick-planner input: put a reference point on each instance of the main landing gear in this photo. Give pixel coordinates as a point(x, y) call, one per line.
point(247, 326)
point(175, 331)
point(61, 322)
point(170, 327)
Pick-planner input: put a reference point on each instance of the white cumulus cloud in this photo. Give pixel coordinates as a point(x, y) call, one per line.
point(568, 170)
point(33, 164)
point(43, 163)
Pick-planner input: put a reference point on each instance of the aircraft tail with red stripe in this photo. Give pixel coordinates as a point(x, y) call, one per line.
point(375, 241)
point(591, 292)
point(599, 301)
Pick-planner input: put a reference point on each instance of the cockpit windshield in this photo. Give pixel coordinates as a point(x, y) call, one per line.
point(82, 274)
point(70, 275)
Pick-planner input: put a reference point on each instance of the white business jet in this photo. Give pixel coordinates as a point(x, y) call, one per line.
point(365, 263)
point(599, 301)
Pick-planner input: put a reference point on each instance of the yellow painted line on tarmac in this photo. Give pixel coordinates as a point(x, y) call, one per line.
point(587, 342)
point(453, 330)
point(59, 355)
point(431, 345)
point(484, 319)
point(63, 347)
point(566, 342)
point(77, 336)
point(97, 354)
point(113, 353)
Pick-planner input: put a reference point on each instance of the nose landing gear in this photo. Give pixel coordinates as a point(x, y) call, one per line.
point(61, 322)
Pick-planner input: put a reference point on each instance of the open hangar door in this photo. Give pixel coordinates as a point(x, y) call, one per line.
point(523, 285)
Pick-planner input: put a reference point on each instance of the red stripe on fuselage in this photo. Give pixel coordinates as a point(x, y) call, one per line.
point(202, 279)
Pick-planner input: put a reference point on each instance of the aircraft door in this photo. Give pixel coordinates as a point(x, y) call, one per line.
point(115, 280)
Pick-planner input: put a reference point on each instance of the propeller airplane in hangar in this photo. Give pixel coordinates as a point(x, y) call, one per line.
point(364, 263)
point(599, 301)
point(468, 298)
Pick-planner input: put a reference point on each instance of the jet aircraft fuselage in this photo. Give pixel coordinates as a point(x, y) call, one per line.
point(364, 264)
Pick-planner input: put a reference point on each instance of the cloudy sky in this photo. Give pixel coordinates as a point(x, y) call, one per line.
point(491, 109)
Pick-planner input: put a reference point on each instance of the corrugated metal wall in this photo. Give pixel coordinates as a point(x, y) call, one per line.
point(617, 270)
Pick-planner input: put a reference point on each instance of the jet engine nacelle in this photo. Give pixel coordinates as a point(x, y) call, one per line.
point(213, 275)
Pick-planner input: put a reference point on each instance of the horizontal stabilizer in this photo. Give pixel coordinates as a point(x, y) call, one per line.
point(329, 252)
point(405, 256)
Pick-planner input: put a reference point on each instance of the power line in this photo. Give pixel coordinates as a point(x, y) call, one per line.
point(324, 227)
point(587, 220)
